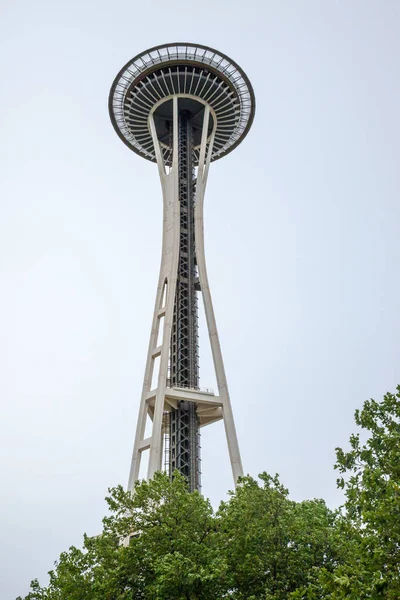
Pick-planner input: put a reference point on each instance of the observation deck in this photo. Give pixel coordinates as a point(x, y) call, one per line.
point(199, 76)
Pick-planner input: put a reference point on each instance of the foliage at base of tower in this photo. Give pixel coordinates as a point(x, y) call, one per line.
point(373, 491)
point(259, 545)
point(172, 552)
point(273, 544)
point(370, 478)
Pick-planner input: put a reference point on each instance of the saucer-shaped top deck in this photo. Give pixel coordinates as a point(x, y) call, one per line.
point(198, 75)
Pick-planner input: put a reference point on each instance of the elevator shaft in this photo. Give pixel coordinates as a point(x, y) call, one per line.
point(184, 453)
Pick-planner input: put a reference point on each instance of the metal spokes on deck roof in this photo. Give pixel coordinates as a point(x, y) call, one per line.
point(191, 72)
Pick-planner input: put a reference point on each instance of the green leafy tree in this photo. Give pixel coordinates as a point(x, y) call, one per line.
point(260, 545)
point(370, 477)
point(272, 543)
point(172, 551)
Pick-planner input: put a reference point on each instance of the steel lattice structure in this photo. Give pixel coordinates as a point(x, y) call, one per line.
point(182, 106)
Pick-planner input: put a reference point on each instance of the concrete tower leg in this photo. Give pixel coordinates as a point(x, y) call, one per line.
point(230, 430)
point(163, 311)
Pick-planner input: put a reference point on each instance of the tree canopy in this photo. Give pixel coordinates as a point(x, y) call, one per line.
point(164, 543)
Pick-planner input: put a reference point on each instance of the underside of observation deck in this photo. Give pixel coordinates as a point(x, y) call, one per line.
point(190, 71)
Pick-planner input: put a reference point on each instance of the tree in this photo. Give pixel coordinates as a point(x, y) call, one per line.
point(370, 478)
point(372, 489)
point(272, 543)
point(260, 545)
point(172, 552)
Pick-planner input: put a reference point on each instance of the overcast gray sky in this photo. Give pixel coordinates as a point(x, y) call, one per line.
point(302, 242)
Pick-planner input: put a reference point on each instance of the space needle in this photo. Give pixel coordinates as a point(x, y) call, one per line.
point(181, 106)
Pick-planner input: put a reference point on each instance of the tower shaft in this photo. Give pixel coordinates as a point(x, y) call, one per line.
point(171, 396)
point(184, 451)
